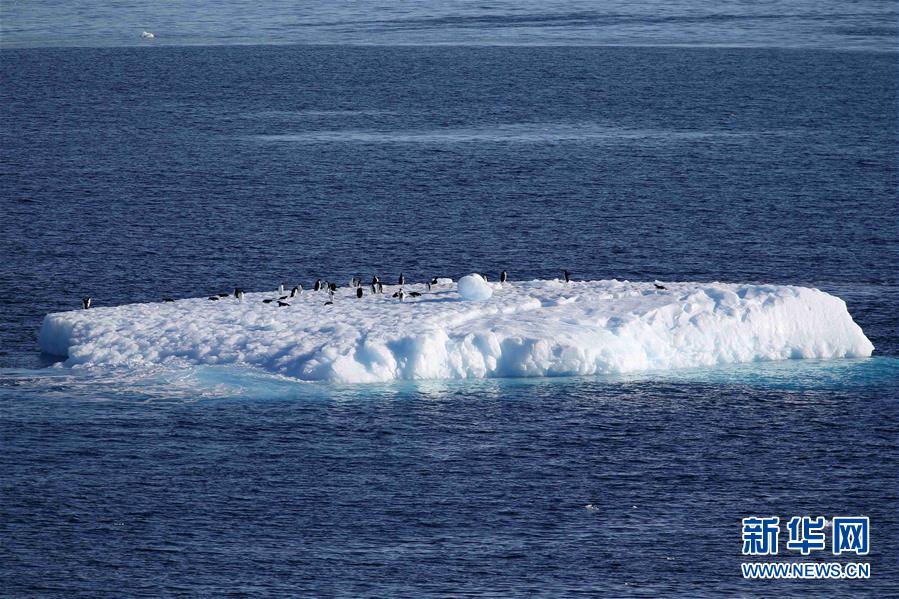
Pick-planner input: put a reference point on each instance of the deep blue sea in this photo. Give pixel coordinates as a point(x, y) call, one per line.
point(246, 145)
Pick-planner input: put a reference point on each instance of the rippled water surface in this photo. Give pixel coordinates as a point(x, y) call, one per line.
point(131, 174)
point(435, 488)
point(864, 24)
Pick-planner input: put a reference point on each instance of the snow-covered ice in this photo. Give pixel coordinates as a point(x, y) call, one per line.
point(533, 328)
point(474, 288)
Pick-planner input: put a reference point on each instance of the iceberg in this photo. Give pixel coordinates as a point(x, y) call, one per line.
point(524, 329)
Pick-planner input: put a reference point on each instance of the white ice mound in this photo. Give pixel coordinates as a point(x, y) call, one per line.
point(474, 288)
point(535, 328)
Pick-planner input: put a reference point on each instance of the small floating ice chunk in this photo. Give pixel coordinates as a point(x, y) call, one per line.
point(474, 288)
point(148, 35)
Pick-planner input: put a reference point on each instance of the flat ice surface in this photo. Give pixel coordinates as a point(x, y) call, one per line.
point(534, 328)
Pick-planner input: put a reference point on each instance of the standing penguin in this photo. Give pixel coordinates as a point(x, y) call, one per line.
point(503, 277)
point(401, 294)
point(318, 285)
point(281, 289)
point(402, 279)
point(567, 276)
point(374, 284)
point(296, 291)
point(86, 302)
point(359, 292)
point(238, 293)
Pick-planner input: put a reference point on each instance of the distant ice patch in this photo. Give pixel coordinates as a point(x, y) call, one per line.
point(148, 35)
point(525, 329)
point(316, 114)
point(519, 133)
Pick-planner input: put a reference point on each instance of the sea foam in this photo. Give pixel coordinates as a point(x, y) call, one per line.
point(526, 329)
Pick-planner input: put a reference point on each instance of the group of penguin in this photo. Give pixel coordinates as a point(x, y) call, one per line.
point(375, 285)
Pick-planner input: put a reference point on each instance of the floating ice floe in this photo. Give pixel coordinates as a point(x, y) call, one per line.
point(525, 329)
point(148, 35)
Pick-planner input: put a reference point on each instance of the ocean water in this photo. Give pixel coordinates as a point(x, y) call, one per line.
point(753, 144)
point(857, 25)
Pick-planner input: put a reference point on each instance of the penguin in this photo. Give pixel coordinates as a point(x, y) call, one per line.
point(296, 291)
point(167, 300)
point(375, 283)
point(224, 295)
point(332, 287)
point(329, 303)
point(281, 289)
point(359, 292)
point(214, 298)
point(318, 285)
point(402, 279)
point(331, 293)
point(503, 277)
point(283, 297)
point(414, 294)
point(238, 293)
point(400, 294)
point(86, 303)
point(268, 301)
point(657, 286)
point(282, 304)
point(567, 276)
point(486, 280)
point(380, 287)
